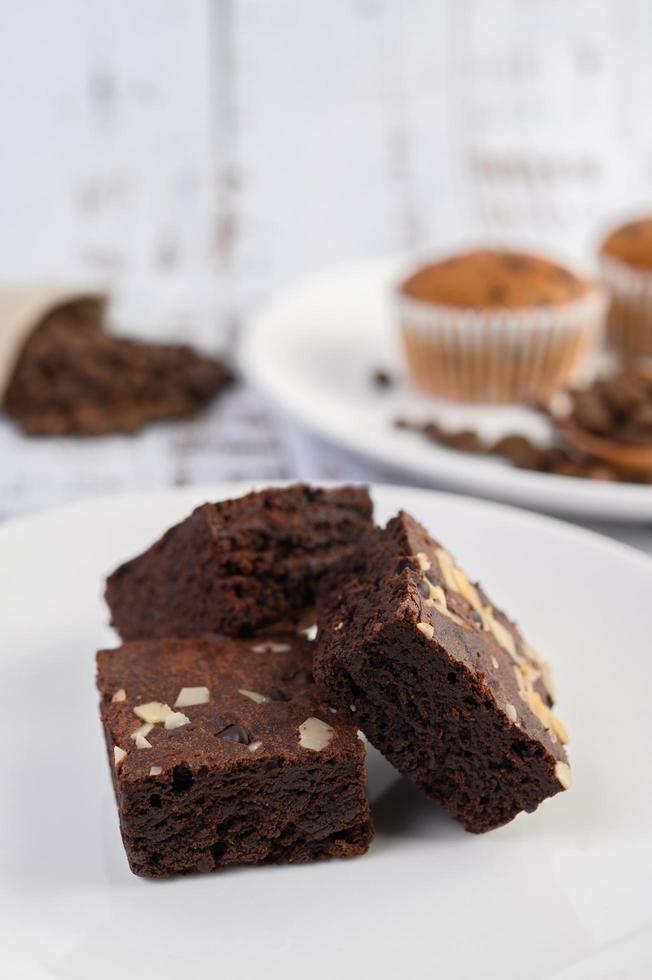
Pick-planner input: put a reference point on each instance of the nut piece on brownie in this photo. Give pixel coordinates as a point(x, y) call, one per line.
point(442, 682)
point(231, 779)
point(238, 566)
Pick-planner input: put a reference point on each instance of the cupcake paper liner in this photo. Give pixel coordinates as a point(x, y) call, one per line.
point(499, 355)
point(629, 322)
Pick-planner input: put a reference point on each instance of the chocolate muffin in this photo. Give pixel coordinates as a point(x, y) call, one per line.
point(626, 267)
point(497, 326)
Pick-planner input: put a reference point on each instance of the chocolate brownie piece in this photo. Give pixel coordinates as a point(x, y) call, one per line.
point(224, 752)
point(440, 679)
point(73, 378)
point(238, 566)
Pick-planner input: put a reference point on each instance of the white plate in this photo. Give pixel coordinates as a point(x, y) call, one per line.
point(428, 900)
point(313, 351)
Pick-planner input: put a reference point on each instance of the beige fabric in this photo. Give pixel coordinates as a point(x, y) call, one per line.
point(22, 308)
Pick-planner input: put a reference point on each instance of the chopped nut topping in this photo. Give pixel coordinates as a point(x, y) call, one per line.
point(427, 630)
point(153, 712)
point(494, 663)
point(253, 695)
point(254, 746)
point(155, 771)
point(424, 561)
point(503, 636)
point(547, 678)
point(563, 774)
point(175, 720)
point(142, 743)
point(189, 696)
point(120, 695)
point(559, 728)
point(339, 626)
point(270, 646)
point(447, 567)
point(118, 755)
point(510, 711)
point(143, 731)
point(315, 734)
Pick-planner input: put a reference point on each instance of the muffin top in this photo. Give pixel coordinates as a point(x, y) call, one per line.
point(492, 279)
point(631, 243)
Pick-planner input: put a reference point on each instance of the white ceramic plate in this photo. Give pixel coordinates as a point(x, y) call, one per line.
point(539, 896)
point(313, 352)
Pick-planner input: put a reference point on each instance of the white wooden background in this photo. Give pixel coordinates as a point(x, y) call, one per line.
point(196, 155)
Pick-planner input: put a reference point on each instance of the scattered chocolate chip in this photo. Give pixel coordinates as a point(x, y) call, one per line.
point(424, 588)
point(236, 733)
point(477, 618)
point(382, 379)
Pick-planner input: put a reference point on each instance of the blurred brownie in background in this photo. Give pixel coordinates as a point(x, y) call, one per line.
point(72, 377)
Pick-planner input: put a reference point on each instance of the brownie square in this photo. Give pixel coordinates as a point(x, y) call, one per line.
point(441, 681)
point(224, 752)
point(238, 566)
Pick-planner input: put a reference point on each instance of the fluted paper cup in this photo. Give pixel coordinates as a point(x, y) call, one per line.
point(629, 321)
point(509, 355)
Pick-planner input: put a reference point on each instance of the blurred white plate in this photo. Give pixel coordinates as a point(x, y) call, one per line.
point(545, 894)
point(314, 351)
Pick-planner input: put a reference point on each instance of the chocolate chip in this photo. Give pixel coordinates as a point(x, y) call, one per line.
point(476, 617)
point(303, 677)
point(497, 293)
point(236, 733)
point(406, 563)
point(277, 695)
point(382, 379)
point(516, 263)
point(424, 588)
point(181, 779)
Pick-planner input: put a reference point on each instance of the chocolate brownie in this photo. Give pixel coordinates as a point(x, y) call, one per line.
point(73, 378)
point(224, 752)
point(238, 566)
point(440, 680)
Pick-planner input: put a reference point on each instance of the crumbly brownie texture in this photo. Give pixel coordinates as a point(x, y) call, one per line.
point(441, 681)
point(631, 244)
point(224, 752)
point(495, 280)
point(239, 566)
point(73, 378)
